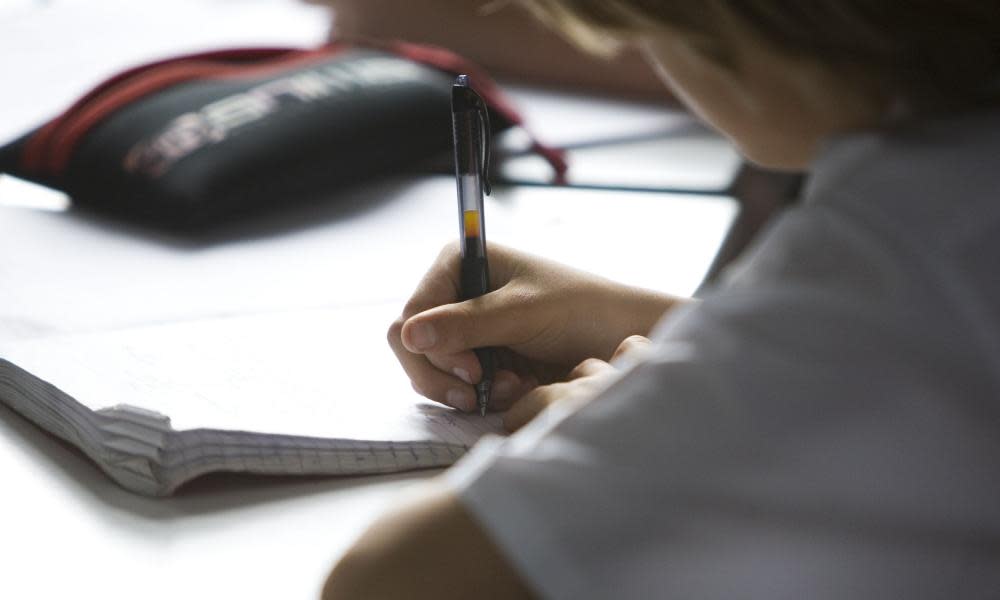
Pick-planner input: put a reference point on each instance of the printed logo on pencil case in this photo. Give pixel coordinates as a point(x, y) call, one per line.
point(223, 118)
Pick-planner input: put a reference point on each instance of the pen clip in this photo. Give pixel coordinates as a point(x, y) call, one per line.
point(487, 150)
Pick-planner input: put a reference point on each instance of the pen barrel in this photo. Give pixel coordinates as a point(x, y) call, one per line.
point(468, 142)
point(471, 137)
point(475, 281)
point(485, 356)
point(474, 275)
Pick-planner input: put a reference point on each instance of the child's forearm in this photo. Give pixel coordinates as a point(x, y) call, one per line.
point(510, 42)
point(620, 311)
point(430, 549)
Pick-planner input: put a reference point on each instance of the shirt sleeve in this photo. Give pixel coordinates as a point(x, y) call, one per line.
point(813, 429)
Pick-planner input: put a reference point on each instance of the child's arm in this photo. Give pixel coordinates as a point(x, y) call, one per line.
point(432, 549)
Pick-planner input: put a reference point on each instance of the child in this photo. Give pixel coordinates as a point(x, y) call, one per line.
point(823, 424)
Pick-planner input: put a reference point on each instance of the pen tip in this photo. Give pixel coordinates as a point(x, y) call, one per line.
point(483, 398)
point(462, 80)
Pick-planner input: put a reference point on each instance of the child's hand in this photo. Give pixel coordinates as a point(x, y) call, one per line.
point(543, 318)
point(584, 382)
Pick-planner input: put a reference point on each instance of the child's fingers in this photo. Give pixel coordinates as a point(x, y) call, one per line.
point(464, 365)
point(632, 349)
point(507, 386)
point(589, 368)
point(584, 382)
point(428, 380)
point(529, 405)
point(435, 377)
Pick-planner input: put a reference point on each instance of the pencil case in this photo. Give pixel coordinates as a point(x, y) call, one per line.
point(201, 139)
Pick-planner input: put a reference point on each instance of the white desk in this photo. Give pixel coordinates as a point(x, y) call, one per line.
point(67, 531)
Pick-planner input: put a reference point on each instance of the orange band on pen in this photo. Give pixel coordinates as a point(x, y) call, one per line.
point(470, 219)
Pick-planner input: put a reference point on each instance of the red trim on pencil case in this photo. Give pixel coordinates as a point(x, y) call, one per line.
point(50, 149)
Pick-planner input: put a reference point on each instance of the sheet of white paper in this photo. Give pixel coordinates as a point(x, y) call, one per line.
point(319, 373)
point(66, 273)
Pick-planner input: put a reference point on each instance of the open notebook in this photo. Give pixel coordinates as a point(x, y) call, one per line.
point(303, 392)
point(300, 391)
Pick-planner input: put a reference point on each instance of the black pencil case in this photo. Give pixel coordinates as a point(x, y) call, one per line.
point(201, 139)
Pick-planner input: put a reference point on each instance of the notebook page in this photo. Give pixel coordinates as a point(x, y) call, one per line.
point(320, 373)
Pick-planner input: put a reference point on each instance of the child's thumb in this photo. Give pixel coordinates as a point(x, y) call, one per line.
point(477, 323)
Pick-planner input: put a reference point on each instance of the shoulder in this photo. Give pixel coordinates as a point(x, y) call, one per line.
point(851, 282)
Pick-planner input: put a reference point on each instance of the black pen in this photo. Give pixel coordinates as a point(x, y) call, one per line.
point(470, 125)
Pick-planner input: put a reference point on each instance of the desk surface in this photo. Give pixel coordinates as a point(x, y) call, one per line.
point(67, 530)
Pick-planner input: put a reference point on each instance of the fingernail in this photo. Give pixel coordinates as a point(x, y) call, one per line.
point(460, 399)
point(422, 336)
point(462, 374)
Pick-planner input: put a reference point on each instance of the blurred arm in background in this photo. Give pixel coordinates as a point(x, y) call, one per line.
point(508, 41)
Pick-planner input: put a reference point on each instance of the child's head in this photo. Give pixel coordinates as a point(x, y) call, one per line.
point(778, 76)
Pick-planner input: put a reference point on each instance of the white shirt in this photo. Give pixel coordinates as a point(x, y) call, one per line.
point(824, 424)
